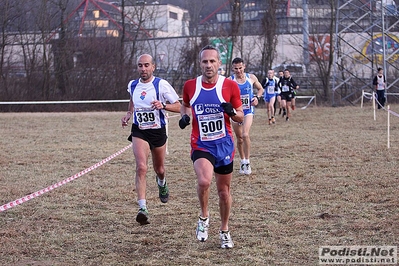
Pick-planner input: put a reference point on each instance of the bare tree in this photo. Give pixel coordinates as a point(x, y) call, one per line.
point(322, 54)
point(30, 48)
point(61, 62)
point(236, 23)
point(269, 36)
point(6, 20)
point(39, 48)
point(189, 61)
point(190, 55)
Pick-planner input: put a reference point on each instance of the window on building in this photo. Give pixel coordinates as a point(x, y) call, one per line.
point(96, 13)
point(250, 15)
point(223, 17)
point(112, 33)
point(250, 5)
point(172, 15)
point(102, 23)
point(319, 2)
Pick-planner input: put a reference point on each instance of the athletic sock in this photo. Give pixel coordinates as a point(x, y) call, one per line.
point(161, 182)
point(142, 204)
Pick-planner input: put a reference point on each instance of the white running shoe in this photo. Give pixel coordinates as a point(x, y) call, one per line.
point(242, 168)
point(202, 229)
point(225, 239)
point(247, 169)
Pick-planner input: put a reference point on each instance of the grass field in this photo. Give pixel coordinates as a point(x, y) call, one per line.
point(324, 178)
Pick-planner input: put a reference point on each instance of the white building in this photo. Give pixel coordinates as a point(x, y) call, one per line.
point(161, 21)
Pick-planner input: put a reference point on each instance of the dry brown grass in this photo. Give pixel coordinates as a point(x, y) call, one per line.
point(324, 178)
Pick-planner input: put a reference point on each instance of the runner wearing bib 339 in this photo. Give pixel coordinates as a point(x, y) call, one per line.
point(150, 98)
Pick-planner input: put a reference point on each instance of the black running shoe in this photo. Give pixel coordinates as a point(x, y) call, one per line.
point(142, 216)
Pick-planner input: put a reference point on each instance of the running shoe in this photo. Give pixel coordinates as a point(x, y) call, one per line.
point(242, 168)
point(163, 192)
point(202, 229)
point(287, 119)
point(247, 169)
point(284, 113)
point(142, 216)
point(225, 239)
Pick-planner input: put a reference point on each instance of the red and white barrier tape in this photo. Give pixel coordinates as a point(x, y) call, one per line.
point(389, 111)
point(63, 182)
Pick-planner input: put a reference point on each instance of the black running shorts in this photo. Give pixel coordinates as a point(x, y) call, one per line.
point(155, 137)
point(286, 96)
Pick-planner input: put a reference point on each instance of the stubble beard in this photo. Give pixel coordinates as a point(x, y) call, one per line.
point(144, 77)
point(209, 75)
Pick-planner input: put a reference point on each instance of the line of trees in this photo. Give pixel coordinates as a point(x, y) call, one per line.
point(42, 56)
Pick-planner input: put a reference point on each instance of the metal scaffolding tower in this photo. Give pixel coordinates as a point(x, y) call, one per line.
point(367, 37)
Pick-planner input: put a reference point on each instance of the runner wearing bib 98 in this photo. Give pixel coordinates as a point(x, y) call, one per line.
point(212, 101)
point(150, 98)
point(246, 82)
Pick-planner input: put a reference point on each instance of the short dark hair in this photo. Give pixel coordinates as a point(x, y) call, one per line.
point(286, 70)
point(237, 60)
point(379, 69)
point(209, 47)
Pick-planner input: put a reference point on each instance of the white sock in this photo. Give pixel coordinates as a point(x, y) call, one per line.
point(242, 161)
point(142, 204)
point(161, 182)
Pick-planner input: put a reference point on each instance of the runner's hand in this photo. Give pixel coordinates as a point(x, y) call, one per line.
point(228, 109)
point(184, 121)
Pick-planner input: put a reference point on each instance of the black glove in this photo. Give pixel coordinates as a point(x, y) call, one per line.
point(228, 109)
point(184, 121)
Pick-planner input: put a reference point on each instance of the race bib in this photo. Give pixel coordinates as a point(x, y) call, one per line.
point(246, 102)
point(147, 119)
point(211, 126)
point(285, 88)
point(270, 89)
